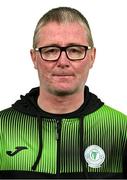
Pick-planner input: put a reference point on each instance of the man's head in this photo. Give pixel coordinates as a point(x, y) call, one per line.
point(62, 15)
point(63, 51)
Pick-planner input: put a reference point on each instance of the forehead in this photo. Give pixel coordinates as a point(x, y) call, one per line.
point(63, 33)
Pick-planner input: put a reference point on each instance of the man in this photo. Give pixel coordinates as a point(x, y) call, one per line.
point(61, 130)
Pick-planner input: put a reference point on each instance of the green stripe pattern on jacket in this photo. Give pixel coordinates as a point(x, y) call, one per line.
point(105, 127)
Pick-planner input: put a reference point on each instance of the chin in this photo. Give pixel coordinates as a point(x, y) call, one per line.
point(64, 92)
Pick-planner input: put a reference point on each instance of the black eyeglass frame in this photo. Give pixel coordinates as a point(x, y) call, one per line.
point(65, 50)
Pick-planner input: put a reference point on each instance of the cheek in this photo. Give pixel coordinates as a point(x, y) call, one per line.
point(41, 69)
point(82, 72)
point(44, 69)
point(83, 68)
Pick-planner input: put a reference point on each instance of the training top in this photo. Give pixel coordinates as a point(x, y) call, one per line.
point(90, 142)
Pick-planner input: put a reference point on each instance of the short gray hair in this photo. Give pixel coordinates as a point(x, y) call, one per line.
point(62, 15)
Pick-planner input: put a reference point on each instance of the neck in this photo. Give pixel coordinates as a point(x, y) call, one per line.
point(60, 104)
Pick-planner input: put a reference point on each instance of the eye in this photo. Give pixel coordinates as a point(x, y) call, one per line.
point(75, 50)
point(50, 51)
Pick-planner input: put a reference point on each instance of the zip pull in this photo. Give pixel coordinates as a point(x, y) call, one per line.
point(58, 129)
point(58, 138)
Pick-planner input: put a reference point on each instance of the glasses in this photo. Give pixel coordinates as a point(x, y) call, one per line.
point(73, 53)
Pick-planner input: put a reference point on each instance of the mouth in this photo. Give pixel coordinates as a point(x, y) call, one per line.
point(62, 74)
point(63, 77)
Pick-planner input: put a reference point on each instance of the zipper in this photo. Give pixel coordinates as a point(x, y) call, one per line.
point(58, 138)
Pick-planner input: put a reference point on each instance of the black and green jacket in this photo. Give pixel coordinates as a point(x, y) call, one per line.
point(88, 143)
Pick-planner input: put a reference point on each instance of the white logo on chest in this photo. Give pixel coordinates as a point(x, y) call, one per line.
point(94, 156)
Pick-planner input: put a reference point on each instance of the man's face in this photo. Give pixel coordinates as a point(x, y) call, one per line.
point(63, 77)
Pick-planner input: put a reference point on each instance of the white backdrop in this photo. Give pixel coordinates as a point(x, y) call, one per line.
point(108, 22)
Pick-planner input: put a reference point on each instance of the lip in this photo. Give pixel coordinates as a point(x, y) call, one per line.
point(62, 74)
point(63, 77)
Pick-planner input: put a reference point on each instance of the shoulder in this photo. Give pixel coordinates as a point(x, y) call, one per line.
point(112, 111)
point(111, 114)
point(109, 119)
point(107, 113)
point(5, 112)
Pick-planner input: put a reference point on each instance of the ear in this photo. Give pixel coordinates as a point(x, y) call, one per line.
point(92, 56)
point(33, 57)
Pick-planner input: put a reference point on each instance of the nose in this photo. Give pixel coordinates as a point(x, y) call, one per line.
point(63, 61)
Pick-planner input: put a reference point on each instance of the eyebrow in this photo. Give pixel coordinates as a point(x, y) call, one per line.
point(57, 44)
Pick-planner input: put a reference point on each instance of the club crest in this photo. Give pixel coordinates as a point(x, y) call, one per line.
point(94, 156)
